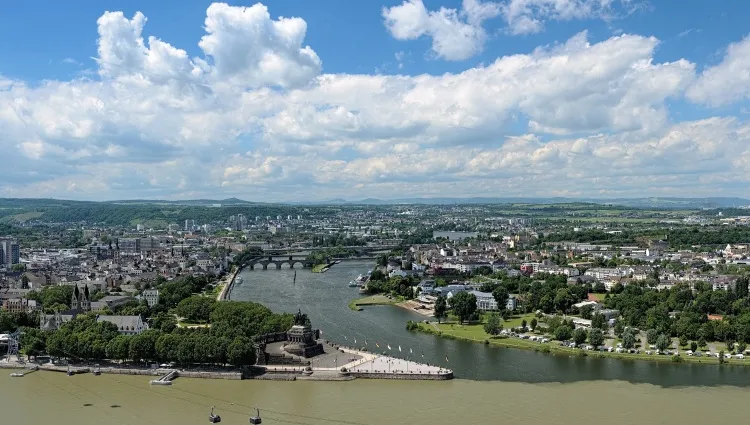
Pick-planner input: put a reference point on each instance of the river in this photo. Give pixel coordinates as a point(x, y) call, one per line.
point(504, 385)
point(325, 298)
point(53, 398)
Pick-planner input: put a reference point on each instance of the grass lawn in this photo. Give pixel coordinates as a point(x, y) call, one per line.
point(372, 300)
point(475, 333)
point(476, 330)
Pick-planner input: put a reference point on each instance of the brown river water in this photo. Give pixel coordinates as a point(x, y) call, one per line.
point(54, 398)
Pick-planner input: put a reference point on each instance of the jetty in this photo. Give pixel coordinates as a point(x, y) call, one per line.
point(166, 379)
point(27, 370)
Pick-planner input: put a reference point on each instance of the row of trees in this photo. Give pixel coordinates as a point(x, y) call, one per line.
point(227, 341)
point(683, 312)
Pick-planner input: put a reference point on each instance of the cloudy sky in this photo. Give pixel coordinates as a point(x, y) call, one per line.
point(313, 100)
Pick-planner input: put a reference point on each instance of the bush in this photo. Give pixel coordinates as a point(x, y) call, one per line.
point(677, 359)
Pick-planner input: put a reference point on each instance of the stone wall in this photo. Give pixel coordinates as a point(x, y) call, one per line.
point(404, 376)
point(270, 338)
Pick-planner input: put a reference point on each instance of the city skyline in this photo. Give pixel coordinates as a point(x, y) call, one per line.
point(389, 100)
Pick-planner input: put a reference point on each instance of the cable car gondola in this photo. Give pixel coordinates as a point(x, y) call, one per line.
point(214, 419)
point(255, 419)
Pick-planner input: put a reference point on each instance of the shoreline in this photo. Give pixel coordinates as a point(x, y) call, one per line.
point(555, 349)
point(227, 286)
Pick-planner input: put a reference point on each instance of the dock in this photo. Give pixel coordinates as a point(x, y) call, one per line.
point(29, 369)
point(166, 379)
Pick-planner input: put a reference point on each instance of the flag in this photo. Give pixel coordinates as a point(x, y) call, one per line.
point(411, 352)
point(365, 342)
point(389, 346)
point(399, 348)
point(355, 340)
point(376, 344)
point(446, 359)
point(319, 331)
point(422, 354)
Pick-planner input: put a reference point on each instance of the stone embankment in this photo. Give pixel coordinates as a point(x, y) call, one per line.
point(227, 289)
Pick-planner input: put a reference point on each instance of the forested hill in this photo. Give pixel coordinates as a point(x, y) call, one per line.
point(155, 213)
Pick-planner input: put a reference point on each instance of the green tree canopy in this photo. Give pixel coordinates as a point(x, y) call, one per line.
point(464, 305)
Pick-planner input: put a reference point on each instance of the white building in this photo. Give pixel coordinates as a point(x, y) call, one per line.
point(151, 296)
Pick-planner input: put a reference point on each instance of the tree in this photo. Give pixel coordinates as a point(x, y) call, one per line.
point(533, 324)
point(563, 333)
point(505, 314)
point(441, 308)
point(619, 328)
point(701, 342)
point(663, 342)
point(598, 321)
point(493, 325)
point(579, 336)
point(118, 348)
point(721, 357)
point(377, 275)
point(501, 294)
point(683, 340)
point(196, 308)
point(523, 324)
point(693, 346)
point(596, 337)
point(741, 346)
point(586, 312)
point(464, 305)
point(628, 338)
point(651, 336)
point(240, 352)
point(599, 288)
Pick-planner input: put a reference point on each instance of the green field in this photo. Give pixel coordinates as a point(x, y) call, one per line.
point(372, 300)
point(597, 297)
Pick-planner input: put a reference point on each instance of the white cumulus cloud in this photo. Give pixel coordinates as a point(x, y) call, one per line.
point(255, 117)
point(456, 35)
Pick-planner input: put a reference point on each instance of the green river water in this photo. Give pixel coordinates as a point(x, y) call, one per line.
point(495, 385)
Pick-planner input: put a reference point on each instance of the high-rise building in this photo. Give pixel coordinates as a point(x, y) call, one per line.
point(129, 245)
point(10, 251)
point(189, 225)
point(238, 222)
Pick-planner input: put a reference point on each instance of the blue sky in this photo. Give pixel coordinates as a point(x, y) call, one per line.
point(592, 98)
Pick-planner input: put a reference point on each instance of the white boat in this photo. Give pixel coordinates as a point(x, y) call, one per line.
point(353, 284)
point(238, 280)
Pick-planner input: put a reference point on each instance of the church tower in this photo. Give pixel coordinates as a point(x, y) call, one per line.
point(74, 300)
point(85, 302)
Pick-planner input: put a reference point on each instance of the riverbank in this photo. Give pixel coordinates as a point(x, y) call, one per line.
point(357, 304)
point(226, 285)
point(445, 330)
point(322, 268)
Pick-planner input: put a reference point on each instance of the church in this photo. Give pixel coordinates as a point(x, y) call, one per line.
point(80, 302)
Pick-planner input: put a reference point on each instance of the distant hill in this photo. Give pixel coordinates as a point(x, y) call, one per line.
point(650, 202)
point(656, 202)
